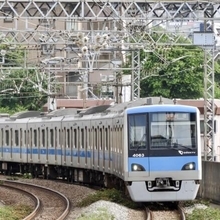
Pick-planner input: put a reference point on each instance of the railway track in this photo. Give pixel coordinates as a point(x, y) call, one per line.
point(164, 213)
point(49, 204)
point(34, 198)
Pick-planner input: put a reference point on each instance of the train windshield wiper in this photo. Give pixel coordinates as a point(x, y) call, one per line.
point(140, 143)
point(182, 146)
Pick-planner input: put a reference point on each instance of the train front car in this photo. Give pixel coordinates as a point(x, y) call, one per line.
point(163, 153)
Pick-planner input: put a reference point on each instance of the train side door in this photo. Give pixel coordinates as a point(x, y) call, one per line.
point(117, 145)
point(32, 148)
point(22, 142)
point(7, 141)
point(54, 152)
point(105, 145)
point(94, 144)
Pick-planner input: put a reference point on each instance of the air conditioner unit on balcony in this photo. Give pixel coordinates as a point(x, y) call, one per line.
point(103, 78)
point(111, 78)
point(104, 88)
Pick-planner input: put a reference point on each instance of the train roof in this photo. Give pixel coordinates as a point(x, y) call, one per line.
point(109, 108)
point(102, 109)
point(139, 102)
point(25, 114)
point(62, 112)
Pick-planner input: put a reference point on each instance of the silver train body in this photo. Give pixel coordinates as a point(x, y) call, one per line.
point(94, 146)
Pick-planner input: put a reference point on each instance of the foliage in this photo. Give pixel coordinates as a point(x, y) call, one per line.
point(12, 110)
point(182, 78)
point(27, 176)
point(14, 212)
point(204, 214)
point(173, 71)
point(111, 195)
point(100, 214)
point(24, 94)
point(196, 201)
point(18, 86)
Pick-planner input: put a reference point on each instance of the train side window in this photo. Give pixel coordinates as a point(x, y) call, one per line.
point(35, 138)
point(75, 138)
point(51, 138)
point(92, 138)
point(11, 138)
point(111, 137)
point(16, 138)
point(71, 138)
point(25, 138)
point(86, 138)
point(68, 138)
point(47, 137)
point(82, 138)
point(38, 137)
point(122, 136)
point(106, 139)
point(55, 137)
point(21, 137)
point(31, 140)
point(2, 137)
point(78, 139)
point(89, 138)
point(64, 137)
point(101, 138)
point(114, 138)
point(43, 137)
point(118, 138)
point(96, 139)
point(60, 138)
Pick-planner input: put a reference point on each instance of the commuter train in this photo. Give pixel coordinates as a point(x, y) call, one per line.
point(149, 148)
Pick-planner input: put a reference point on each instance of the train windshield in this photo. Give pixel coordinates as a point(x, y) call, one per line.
point(137, 131)
point(173, 130)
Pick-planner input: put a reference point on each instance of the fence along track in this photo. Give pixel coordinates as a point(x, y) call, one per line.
point(31, 196)
point(60, 195)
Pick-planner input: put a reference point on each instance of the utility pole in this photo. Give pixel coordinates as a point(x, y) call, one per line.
point(205, 38)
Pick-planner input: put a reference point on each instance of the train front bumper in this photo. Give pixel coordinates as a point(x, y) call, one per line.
point(139, 193)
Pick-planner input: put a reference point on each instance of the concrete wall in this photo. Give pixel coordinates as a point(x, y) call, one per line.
point(210, 185)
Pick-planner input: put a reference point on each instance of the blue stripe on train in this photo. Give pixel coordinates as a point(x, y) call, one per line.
point(58, 152)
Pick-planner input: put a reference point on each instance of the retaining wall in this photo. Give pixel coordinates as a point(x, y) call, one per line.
point(210, 184)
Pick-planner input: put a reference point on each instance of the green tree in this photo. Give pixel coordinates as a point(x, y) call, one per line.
point(179, 78)
point(18, 87)
point(173, 71)
point(19, 91)
point(179, 75)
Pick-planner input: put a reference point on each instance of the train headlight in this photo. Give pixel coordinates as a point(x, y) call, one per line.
point(137, 167)
point(189, 166)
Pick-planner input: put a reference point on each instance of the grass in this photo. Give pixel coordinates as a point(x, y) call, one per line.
point(16, 212)
point(196, 201)
point(116, 196)
point(101, 214)
point(111, 195)
point(204, 214)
